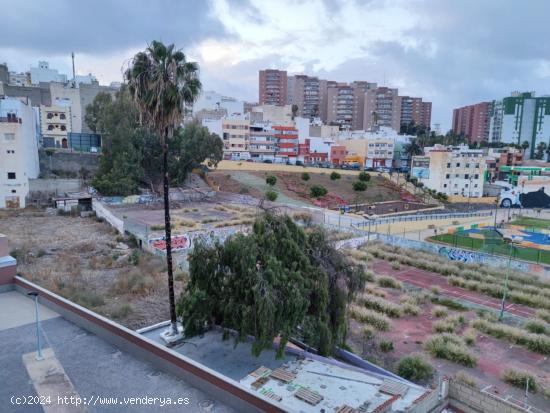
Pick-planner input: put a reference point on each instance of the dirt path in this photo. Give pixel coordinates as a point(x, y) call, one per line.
point(427, 280)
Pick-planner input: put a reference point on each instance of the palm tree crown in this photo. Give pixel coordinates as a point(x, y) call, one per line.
point(163, 82)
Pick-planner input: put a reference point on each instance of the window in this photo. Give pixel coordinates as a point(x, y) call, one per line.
point(9, 137)
point(466, 176)
point(50, 127)
point(447, 176)
point(11, 175)
point(477, 166)
point(457, 175)
point(13, 191)
point(458, 164)
point(467, 165)
point(448, 165)
point(49, 115)
point(10, 151)
point(444, 185)
point(476, 176)
point(62, 116)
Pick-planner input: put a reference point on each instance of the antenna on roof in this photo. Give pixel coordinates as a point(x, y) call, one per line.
point(74, 76)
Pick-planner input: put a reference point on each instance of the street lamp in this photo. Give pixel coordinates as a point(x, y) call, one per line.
point(39, 348)
point(514, 240)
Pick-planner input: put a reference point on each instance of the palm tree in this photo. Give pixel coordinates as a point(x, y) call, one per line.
point(162, 82)
point(524, 146)
point(412, 148)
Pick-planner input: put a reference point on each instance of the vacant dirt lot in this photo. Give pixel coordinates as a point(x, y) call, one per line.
point(87, 262)
point(293, 189)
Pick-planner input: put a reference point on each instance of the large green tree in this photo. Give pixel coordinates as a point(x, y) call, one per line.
point(162, 82)
point(131, 155)
point(277, 281)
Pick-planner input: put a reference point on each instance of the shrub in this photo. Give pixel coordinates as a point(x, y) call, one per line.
point(381, 306)
point(334, 176)
point(122, 311)
point(157, 227)
point(40, 253)
point(536, 327)
point(450, 347)
point(87, 299)
point(444, 326)
point(439, 311)
point(386, 346)
point(395, 265)
point(414, 368)
point(305, 176)
point(271, 180)
point(271, 195)
point(317, 191)
point(519, 379)
point(368, 333)
point(470, 336)
point(447, 302)
point(389, 282)
point(466, 379)
point(543, 315)
point(363, 176)
point(359, 186)
point(411, 309)
point(377, 320)
point(133, 258)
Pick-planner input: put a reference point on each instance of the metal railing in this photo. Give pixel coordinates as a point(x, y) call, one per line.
point(421, 217)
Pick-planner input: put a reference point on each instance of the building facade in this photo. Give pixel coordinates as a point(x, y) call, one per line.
point(304, 91)
point(263, 143)
point(519, 118)
point(473, 121)
point(415, 110)
point(287, 142)
point(18, 151)
point(55, 126)
point(382, 108)
point(451, 170)
point(43, 73)
point(273, 87)
point(236, 137)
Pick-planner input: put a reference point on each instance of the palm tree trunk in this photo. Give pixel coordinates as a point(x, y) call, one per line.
point(168, 233)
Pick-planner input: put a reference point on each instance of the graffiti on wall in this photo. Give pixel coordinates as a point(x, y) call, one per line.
point(455, 254)
point(185, 242)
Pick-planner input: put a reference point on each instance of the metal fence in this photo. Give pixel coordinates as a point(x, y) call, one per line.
point(420, 217)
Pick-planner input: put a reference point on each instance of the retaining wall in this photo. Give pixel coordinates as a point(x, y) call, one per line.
point(102, 212)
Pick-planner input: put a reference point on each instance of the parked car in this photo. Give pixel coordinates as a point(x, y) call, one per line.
point(250, 160)
point(268, 161)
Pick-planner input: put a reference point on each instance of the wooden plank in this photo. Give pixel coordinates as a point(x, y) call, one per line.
point(283, 375)
point(308, 396)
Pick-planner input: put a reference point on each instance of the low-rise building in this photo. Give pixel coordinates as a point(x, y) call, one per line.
point(451, 170)
point(263, 144)
point(18, 151)
point(287, 143)
point(497, 157)
point(337, 154)
point(55, 125)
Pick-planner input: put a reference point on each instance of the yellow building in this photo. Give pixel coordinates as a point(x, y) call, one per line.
point(377, 152)
point(55, 125)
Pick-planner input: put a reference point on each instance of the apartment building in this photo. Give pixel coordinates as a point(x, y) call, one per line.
point(521, 117)
point(287, 142)
point(413, 109)
point(43, 73)
point(497, 157)
point(18, 151)
point(377, 152)
point(55, 125)
point(340, 105)
point(263, 143)
point(382, 108)
point(236, 137)
point(473, 121)
point(278, 114)
point(451, 170)
point(304, 91)
point(272, 87)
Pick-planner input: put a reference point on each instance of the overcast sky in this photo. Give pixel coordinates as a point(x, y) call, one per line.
point(450, 52)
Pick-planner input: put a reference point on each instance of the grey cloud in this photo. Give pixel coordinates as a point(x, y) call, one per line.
point(104, 26)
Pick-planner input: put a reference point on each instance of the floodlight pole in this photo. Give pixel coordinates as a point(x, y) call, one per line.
point(501, 315)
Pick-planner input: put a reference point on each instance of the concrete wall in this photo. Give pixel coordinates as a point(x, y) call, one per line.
point(107, 215)
point(55, 186)
point(70, 162)
point(8, 265)
point(471, 400)
point(220, 387)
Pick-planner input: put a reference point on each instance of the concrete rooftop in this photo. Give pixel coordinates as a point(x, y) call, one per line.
point(336, 382)
point(81, 364)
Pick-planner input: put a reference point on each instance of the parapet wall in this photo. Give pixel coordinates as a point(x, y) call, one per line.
point(8, 265)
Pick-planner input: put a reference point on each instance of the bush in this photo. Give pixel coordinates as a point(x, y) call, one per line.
point(305, 176)
point(470, 336)
point(381, 305)
point(364, 177)
point(519, 379)
point(536, 327)
point(271, 180)
point(389, 282)
point(450, 347)
point(377, 320)
point(359, 186)
point(395, 265)
point(543, 315)
point(122, 311)
point(386, 346)
point(334, 176)
point(466, 379)
point(439, 311)
point(317, 191)
point(414, 368)
point(444, 326)
point(368, 333)
point(447, 302)
point(271, 195)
